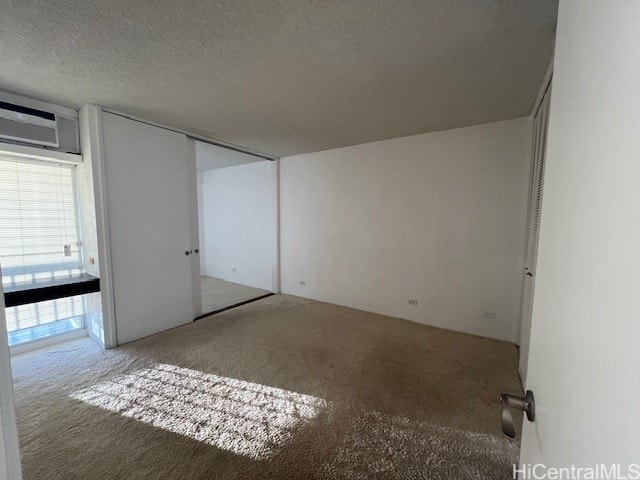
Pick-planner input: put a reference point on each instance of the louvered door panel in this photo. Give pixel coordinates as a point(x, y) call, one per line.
point(536, 184)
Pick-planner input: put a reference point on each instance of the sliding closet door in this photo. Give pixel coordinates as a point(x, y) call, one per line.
point(148, 209)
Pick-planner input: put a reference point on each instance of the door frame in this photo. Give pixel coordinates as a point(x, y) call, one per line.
point(192, 178)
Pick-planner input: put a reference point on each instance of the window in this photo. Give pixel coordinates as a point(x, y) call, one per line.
point(39, 240)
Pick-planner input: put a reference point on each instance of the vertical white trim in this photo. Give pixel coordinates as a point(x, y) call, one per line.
point(9, 447)
point(4, 473)
point(92, 129)
point(192, 178)
point(200, 207)
point(546, 80)
point(275, 172)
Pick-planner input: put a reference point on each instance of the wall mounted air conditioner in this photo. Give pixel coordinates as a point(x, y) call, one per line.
point(24, 124)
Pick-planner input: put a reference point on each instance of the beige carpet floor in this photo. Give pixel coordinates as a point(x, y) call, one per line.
point(282, 388)
point(217, 293)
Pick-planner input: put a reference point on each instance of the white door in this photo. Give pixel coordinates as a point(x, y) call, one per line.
point(146, 170)
point(9, 450)
point(541, 122)
point(584, 357)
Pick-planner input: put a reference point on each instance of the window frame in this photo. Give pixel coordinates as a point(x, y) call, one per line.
point(70, 161)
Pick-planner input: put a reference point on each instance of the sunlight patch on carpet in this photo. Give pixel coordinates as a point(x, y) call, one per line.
point(382, 446)
point(241, 417)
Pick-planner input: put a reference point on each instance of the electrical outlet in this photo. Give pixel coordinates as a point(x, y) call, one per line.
point(302, 282)
point(491, 315)
point(92, 260)
point(234, 269)
point(413, 301)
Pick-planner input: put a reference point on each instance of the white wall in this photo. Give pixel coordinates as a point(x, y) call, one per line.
point(437, 217)
point(239, 223)
point(584, 357)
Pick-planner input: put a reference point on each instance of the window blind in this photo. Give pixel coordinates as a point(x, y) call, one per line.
point(38, 222)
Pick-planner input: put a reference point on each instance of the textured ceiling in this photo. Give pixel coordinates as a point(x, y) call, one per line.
point(283, 77)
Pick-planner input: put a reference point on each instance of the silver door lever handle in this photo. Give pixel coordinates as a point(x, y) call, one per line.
point(526, 403)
